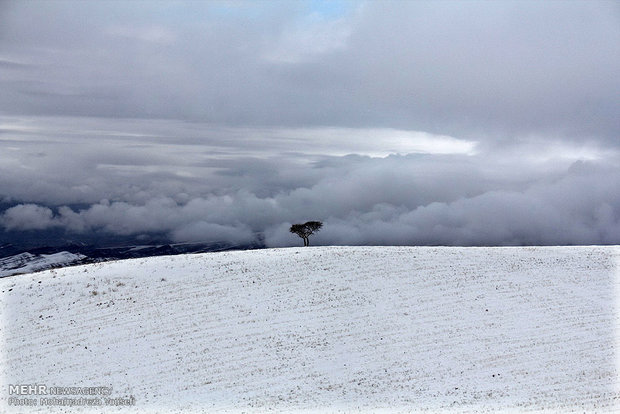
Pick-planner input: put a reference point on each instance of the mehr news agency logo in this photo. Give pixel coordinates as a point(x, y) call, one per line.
point(43, 395)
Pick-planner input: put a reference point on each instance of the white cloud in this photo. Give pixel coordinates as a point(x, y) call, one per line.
point(28, 217)
point(375, 142)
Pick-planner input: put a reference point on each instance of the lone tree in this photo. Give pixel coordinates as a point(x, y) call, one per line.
point(305, 230)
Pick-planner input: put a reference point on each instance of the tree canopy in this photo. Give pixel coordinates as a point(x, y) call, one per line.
point(306, 230)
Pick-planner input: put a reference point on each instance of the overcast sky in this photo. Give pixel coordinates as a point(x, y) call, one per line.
point(394, 123)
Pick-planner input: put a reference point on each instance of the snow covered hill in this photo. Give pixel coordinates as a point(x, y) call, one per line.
point(28, 262)
point(318, 329)
point(21, 258)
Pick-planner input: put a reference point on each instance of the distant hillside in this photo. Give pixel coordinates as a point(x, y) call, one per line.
point(18, 259)
point(319, 329)
point(28, 262)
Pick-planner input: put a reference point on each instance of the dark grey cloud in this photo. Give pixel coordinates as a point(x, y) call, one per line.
point(519, 67)
point(482, 70)
point(373, 201)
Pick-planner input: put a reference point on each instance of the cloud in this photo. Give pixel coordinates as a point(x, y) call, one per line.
point(152, 34)
point(554, 213)
point(393, 122)
point(308, 39)
point(27, 217)
point(137, 160)
point(481, 71)
point(400, 199)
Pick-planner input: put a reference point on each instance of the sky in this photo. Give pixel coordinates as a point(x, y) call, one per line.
point(394, 123)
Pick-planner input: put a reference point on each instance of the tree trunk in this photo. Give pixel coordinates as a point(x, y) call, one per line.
point(306, 242)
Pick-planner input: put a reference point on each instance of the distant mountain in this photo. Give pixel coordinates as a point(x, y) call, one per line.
point(28, 262)
point(19, 259)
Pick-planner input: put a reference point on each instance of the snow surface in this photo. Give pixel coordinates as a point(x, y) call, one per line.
point(324, 329)
point(28, 262)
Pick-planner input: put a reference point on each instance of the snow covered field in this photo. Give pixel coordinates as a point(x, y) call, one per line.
point(322, 329)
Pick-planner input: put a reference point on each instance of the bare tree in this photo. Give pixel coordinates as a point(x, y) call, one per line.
point(306, 230)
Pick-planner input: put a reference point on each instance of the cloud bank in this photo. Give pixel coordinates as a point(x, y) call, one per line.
point(387, 209)
point(560, 194)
